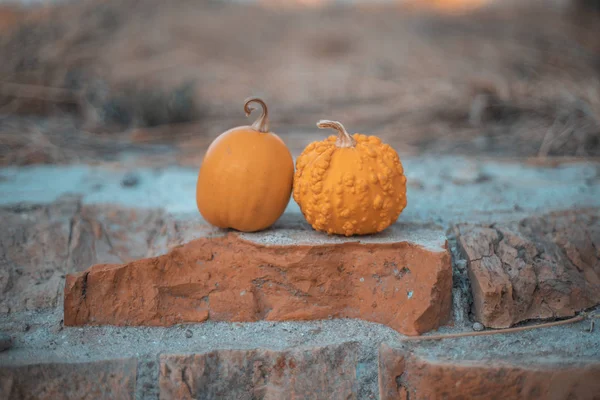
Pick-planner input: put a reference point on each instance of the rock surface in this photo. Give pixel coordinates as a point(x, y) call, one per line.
point(34, 244)
point(539, 267)
point(42, 243)
point(81, 346)
point(314, 373)
point(5, 341)
point(405, 376)
point(285, 276)
point(113, 379)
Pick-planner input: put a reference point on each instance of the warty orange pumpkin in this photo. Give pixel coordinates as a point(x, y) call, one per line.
point(349, 185)
point(245, 180)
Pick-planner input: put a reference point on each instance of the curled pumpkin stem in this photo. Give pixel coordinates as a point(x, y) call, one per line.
point(262, 123)
point(344, 138)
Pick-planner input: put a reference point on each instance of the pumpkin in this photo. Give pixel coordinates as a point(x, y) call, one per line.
point(245, 180)
point(349, 185)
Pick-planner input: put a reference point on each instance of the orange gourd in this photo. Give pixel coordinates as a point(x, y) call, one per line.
point(245, 180)
point(349, 185)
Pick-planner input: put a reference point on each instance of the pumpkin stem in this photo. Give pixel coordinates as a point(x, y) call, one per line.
point(344, 139)
point(262, 123)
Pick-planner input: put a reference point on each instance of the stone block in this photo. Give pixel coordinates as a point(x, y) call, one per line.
point(536, 268)
point(312, 373)
point(405, 376)
point(112, 379)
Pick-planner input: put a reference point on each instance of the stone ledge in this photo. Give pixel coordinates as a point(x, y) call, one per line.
point(403, 375)
point(536, 268)
point(387, 279)
point(317, 343)
point(111, 379)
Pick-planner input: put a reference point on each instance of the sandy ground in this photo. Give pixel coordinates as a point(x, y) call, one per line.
point(515, 79)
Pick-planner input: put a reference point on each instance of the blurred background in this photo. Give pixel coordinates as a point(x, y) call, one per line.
point(96, 81)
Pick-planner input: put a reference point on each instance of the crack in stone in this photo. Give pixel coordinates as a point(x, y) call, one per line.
point(84, 285)
point(159, 226)
point(185, 381)
point(276, 268)
point(483, 257)
point(72, 222)
point(401, 383)
point(82, 299)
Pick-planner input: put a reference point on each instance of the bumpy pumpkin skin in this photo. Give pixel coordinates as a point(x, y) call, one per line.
point(245, 180)
point(355, 190)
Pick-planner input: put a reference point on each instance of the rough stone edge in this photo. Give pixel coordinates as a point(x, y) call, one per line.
point(359, 353)
point(428, 236)
point(462, 295)
point(400, 371)
point(474, 300)
point(109, 366)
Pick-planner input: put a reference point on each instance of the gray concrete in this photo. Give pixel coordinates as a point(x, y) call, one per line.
point(287, 231)
point(440, 190)
point(46, 339)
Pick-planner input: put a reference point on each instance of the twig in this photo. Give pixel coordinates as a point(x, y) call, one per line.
point(57, 95)
point(578, 318)
point(544, 147)
point(10, 107)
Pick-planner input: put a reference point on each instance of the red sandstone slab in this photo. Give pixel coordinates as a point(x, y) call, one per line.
point(113, 379)
point(401, 278)
point(313, 373)
point(403, 376)
point(539, 267)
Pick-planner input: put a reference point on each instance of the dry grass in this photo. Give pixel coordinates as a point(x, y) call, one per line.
point(513, 80)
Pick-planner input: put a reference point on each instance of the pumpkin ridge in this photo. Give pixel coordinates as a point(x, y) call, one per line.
point(311, 162)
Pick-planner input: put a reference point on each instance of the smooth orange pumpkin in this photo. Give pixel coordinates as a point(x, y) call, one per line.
point(349, 185)
point(245, 180)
